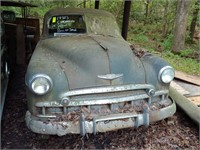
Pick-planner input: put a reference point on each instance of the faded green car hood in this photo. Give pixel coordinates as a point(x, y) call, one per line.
point(85, 59)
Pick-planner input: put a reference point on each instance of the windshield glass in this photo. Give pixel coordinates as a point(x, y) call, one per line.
point(66, 24)
point(102, 25)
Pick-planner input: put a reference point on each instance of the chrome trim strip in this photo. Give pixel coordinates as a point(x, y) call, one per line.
point(107, 100)
point(3, 49)
point(115, 117)
point(48, 104)
point(93, 102)
point(108, 89)
point(100, 101)
point(161, 92)
point(46, 116)
point(110, 76)
point(3, 94)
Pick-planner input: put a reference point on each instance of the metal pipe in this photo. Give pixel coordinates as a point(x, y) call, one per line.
point(127, 8)
point(96, 4)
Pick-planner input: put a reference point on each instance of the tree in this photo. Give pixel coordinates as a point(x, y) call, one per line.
point(180, 25)
point(165, 18)
point(147, 2)
point(194, 19)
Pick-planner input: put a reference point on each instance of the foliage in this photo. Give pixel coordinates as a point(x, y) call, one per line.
point(188, 65)
point(115, 7)
point(186, 52)
point(141, 38)
point(167, 43)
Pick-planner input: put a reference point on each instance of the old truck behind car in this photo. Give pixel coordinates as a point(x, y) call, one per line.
point(83, 77)
point(5, 70)
point(19, 35)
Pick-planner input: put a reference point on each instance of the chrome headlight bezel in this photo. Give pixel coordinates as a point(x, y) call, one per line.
point(47, 84)
point(162, 73)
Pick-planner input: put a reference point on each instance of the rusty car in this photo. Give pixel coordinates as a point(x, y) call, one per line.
point(83, 77)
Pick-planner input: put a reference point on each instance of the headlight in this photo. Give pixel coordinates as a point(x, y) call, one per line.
point(166, 74)
point(41, 84)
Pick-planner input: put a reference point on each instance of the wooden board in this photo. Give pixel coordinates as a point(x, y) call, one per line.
point(21, 50)
point(179, 88)
point(195, 100)
point(188, 78)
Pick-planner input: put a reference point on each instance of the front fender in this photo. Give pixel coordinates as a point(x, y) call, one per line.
point(152, 65)
point(43, 63)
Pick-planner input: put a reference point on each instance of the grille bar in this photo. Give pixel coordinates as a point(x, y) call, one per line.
point(100, 101)
point(108, 89)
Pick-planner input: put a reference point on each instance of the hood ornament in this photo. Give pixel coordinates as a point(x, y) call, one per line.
point(110, 76)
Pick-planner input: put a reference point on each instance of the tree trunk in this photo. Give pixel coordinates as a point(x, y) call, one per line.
point(84, 3)
point(194, 19)
point(96, 4)
point(180, 25)
point(165, 28)
point(146, 11)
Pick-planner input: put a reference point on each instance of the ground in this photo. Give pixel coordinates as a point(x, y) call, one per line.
point(177, 132)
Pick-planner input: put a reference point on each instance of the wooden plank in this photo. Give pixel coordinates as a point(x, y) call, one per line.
point(21, 50)
point(185, 104)
point(195, 100)
point(188, 78)
point(179, 88)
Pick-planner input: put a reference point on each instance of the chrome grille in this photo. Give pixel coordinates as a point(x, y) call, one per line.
point(98, 100)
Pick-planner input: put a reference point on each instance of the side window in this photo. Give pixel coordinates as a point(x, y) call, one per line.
point(66, 24)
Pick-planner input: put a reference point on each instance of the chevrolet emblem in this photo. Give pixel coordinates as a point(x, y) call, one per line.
point(110, 76)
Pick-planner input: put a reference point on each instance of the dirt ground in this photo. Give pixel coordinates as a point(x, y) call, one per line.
point(178, 132)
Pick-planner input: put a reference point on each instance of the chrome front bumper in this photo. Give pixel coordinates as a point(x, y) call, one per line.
point(99, 123)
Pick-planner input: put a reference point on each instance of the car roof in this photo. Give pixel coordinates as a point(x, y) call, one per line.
point(72, 11)
point(82, 11)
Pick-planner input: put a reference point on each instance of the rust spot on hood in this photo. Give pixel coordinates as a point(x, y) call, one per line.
point(139, 52)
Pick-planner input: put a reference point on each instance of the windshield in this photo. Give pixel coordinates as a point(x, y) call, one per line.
point(66, 24)
point(102, 25)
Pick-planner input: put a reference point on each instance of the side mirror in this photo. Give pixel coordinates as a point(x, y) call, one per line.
point(8, 16)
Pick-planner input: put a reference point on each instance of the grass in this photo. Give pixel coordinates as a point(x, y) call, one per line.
point(150, 38)
point(188, 65)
